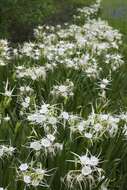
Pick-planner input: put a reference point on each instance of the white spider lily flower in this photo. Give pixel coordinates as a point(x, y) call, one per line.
point(36, 145)
point(27, 179)
point(4, 52)
point(45, 117)
point(98, 127)
point(7, 118)
point(85, 160)
point(86, 170)
point(7, 92)
point(104, 83)
point(37, 118)
point(44, 108)
point(40, 171)
point(52, 120)
point(6, 151)
point(23, 167)
point(35, 182)
point(1, 188)
point(2, 63)
point(88, 135)
point(34, 176)
point(81, 126)
point(45, 142)
point(26, 102)
point(51, 137)
point(94, 161)
point(58, 146)
point(24, 89)
point(65, 115)
point(10, 150)
point(34, 73)
point(63, 90)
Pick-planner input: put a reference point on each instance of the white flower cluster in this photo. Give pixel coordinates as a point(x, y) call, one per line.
point(6, 151)
point(82, 47)
point(4, 52)
point(90, 11)
point(86, 166)
point(30, 50)
point(64, 90)
point(103, 86)
point(116, 58)
point(96, 126)
point(26, 102)
point(47, 145)
point(32, 73)
point(33, 176)
point(104, 83)
point(25, 89)
point(7, 91)
point(46, 117)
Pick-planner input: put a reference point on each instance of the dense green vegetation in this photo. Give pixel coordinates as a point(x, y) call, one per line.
point(19, 17)
point(63, 95)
